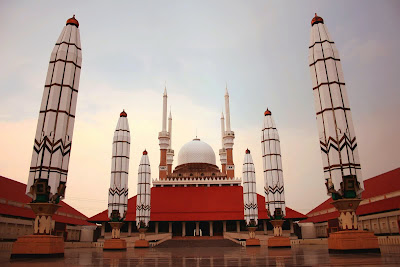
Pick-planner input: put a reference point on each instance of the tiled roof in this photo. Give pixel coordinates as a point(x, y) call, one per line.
point(380, 185)
point(197, 204)
point(14, 199)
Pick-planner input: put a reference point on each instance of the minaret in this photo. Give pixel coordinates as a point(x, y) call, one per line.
point(229, 136)
point(143, 206)
point(249, 191)
point(170, 151)
point(335, 125)
point(222, 151)
point(118, 192)
point(338, 143)
point(52, 146)
point(163, 138)
point(272, 162)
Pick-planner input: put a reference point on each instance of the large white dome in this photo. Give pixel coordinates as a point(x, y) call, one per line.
point(196, 151)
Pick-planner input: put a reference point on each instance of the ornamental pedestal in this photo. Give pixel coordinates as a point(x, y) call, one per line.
point(252, 241)
point(115, 243)
point(349, 239)
point(41, 243)
point(142, 242)
point(278, 241)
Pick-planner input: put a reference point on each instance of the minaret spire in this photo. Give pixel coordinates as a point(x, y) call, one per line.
point(164, 116)
point(222, 151)
point(222, 129)
point(170, 128)
point(170, 151)
point(228, 138)
point(227, 111)
point(164, 139)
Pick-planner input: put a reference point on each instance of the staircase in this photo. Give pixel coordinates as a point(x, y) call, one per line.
point(197, 242)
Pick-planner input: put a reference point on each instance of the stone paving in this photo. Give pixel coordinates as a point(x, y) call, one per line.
point(300, 255)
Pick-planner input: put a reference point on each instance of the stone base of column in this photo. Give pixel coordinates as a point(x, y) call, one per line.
point(279, 242)
point(251, 242)
point(351, 241)
point(38, 246)
point(141, 243)
point(114, 244)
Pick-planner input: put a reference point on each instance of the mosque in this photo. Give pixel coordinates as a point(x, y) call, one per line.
point(197, 198)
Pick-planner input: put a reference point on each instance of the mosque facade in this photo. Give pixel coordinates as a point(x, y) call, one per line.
point(197, 198)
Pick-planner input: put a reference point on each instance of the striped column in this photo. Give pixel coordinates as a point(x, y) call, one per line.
point(272, 162)
point(249, 191)
point(337, 138)
point(53, 139)
point(143, 206)
point(118, 192)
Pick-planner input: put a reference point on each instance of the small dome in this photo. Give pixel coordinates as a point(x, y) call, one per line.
point(145, 152)
point(317, 20)
point(73, 21)
point(196, 151)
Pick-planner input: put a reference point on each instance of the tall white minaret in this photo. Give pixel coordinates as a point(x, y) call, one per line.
point(249, 191)
point(52, 146)
point(227, 111)
point(163, 138)
point(229, 136)
point(164, 115)
point(272, 162)
point(222, 129)
point(118, 192)
point(170, 151)
point(339, 150)
point(143, 193)
point(170, 129)
point(222, 151)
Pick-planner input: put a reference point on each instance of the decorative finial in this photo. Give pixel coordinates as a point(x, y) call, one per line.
point(123, 114)
point(73, 21)
point(144, 152)
point(267, 112)
point(247, 151)
point(316, 20)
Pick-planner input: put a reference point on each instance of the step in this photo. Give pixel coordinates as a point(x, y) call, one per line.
point(180, 243)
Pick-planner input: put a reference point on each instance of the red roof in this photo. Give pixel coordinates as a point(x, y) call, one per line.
point(376, 186)
point(197, 204)
point(14, 194)
point(382, 184)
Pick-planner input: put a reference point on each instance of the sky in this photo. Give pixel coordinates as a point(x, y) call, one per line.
point(258, 49)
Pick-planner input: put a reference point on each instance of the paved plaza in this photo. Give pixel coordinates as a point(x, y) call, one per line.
point(304, 255)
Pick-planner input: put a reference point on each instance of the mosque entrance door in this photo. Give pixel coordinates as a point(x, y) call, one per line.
point(217, 228)
point(205, 228)
point(190, 228)
point(177, 229)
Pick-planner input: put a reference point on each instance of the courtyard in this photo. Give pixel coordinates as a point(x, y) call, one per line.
point(298, 255)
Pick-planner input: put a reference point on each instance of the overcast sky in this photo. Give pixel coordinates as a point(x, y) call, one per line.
point(259, 48)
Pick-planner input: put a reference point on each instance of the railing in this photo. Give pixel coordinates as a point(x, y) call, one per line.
point(227, 236)
point(168, 237)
